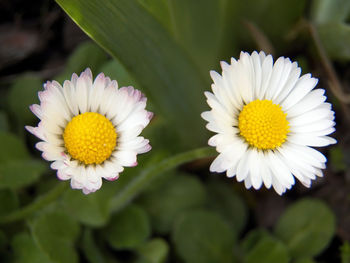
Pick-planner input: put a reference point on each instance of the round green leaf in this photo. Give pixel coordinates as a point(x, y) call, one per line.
point(179, 193)
point(323, 11)
point(12, 147)
point(228, 204)
point(23, 93)
point(20, 173)
point(306, 227)
point(154, 251)
point(25, 250)
point(261, 247)
point(55, 233)
point(9, 201)
point(203, 236)
point(92, 209)
point(128, 228)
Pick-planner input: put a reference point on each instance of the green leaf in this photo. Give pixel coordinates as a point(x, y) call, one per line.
point(324, 11)
point(306, 227)
point(200, 29)
point(335, 37)
point(160, 10)
point(260, 246)
point(179, 193)
point(228, 204)
point(90, 249)
point(4, 125)
point(25, 250)
point(154, 251)
point(23, 93)
point(128, 228)
point(264, 15)
point(202, 236)
point(115, 70)
point(337, 160)
point(85, 55)
point(130, 33)
point(345, 252)
point(12, 148)
point(20, 173)
point(304, 260)
point(9, 201)
point(93, 209)
point(55, 233)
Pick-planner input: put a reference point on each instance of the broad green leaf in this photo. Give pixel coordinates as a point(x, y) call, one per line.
point(335, 37)
point(3, 241)
point(86, 55)
point(93, 209)
point(90, 249)
point(226, 202)
point(304, 260)
point(9, 201)
point(345, 252)
point(25, 250)
point(159, 9)
point(202, 236)
point(324, 11)
point(12, 148)
point(260, 246)
point(4, 125)
point(179, 193)
point(337, 160)
point(115, 70)
point(199, 27)
point(128, 228)
point(55, 233)
point(153, 251)
point(131, 34)
point(20, 173)
point(23, 93)
point(306, 227)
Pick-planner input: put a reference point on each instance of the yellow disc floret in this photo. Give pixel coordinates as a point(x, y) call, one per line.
point(90, 138)
point(263, 124)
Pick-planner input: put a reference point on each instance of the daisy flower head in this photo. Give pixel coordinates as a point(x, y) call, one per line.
point(267, 117)
point(90, 129)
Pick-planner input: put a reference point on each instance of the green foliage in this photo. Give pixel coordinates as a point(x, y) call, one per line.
point(4, 125)
point(164, 203)
point(324, 11)
point(224, 200)
point(345, 252)
point(23, 93)
point(306, 227)
point(203, 236)
point(90, 249)
point(17, 169)
point(55, 234)
point(27, 251)
point(86, 55)
point(153, 251)
point(128, 228)
point(158, 63)
point(260, 246)
point(337, 159)
point(115, 70)
point(9, 201)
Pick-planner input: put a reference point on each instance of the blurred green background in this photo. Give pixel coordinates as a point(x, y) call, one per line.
point(166, 48)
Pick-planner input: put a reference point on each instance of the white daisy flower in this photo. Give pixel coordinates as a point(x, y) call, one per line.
point(266, 117)
point(90, 128)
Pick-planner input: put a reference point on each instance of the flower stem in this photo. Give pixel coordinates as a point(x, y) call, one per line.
point(138, 184)
point(39, 203)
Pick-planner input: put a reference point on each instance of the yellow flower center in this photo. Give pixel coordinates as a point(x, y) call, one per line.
point(90, 138)
point(263, 124)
